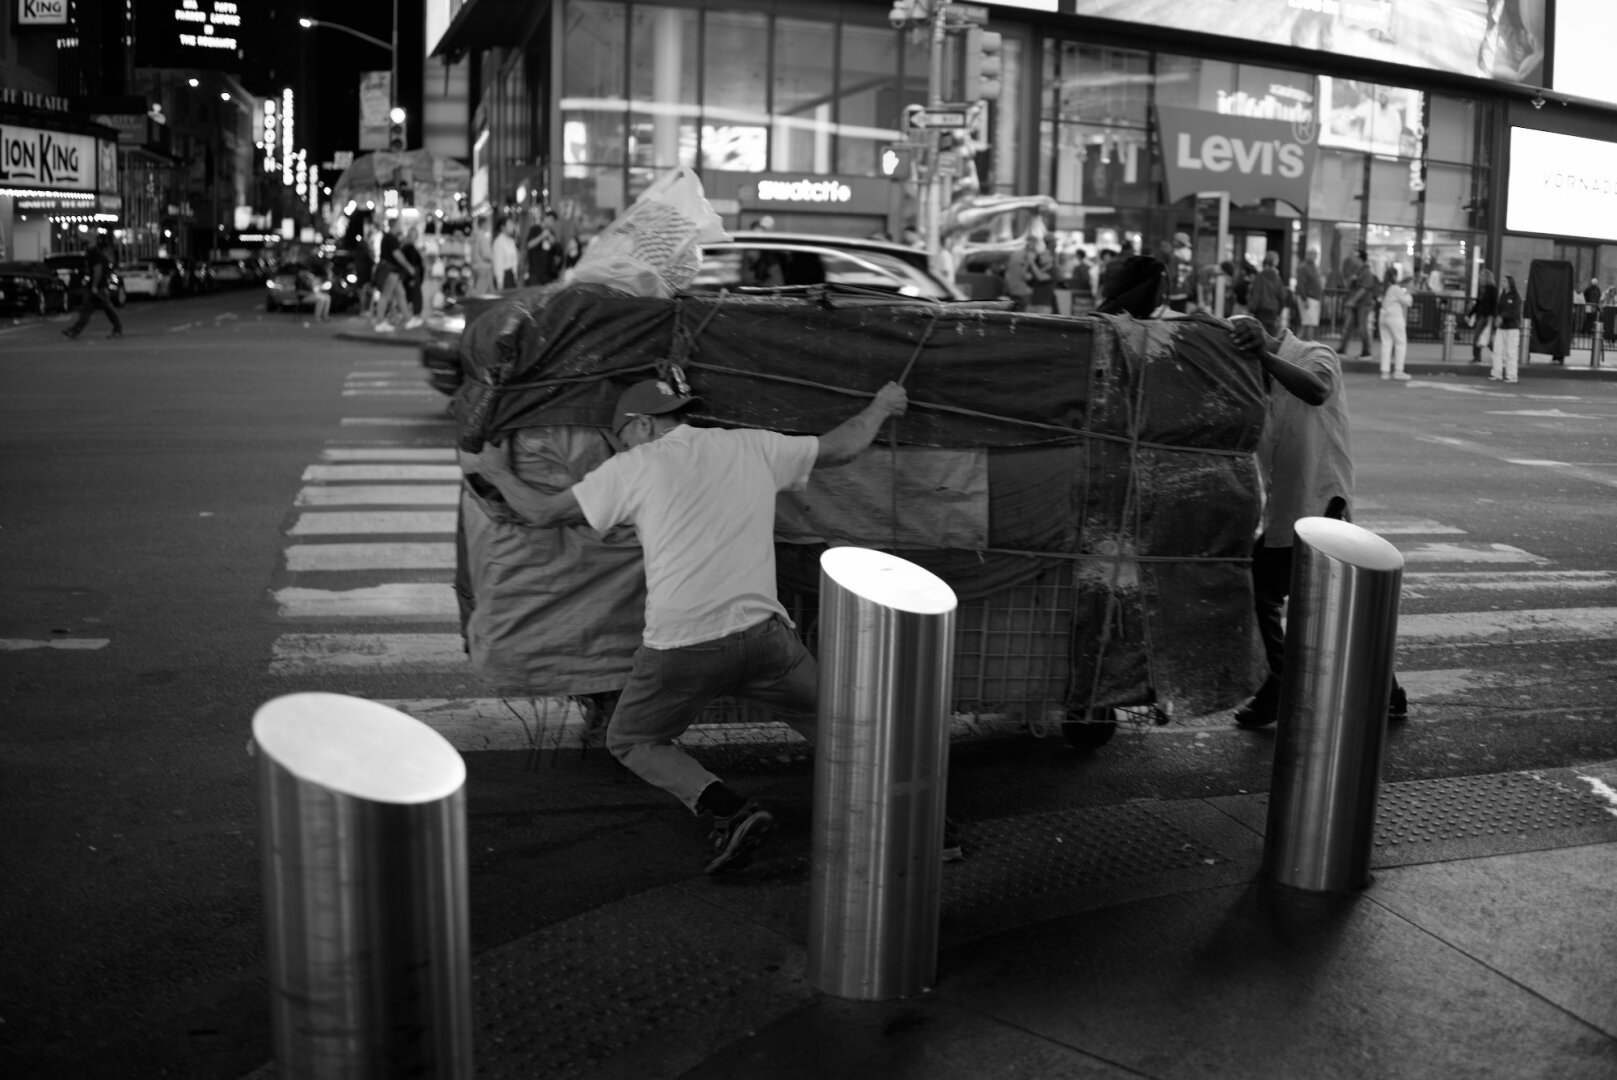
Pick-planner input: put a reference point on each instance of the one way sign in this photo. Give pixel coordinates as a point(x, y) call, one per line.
point(937, 118)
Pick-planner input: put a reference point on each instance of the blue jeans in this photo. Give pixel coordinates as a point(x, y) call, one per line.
point(668, 689)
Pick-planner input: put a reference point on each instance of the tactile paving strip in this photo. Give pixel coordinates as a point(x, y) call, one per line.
point(1482, 808)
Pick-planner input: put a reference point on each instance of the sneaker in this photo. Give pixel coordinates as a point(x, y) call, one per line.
point(1398, 705)
point(1384, 375)
point(1402, 376)
point(413, 322)
point(735, 837)
point(1511, 381)
point(1495, 378)
point(1261, 710)
point(383, 328)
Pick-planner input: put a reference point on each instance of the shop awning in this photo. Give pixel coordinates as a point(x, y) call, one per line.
point(483, 24)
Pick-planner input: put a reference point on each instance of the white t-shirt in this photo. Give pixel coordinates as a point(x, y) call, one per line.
point(1304, 455)
point(703, 503)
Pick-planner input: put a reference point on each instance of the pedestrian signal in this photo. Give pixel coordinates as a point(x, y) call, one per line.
point(983, 64)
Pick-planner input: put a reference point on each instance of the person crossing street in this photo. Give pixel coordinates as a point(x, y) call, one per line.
point(98, 267)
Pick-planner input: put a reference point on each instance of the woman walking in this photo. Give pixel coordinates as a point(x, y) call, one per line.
point(1483, 310)
point(1507, 346)
point(1395, 302)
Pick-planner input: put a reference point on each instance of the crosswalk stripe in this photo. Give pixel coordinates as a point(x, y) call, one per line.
point(397, 421)
point(439, 454)
point(350, 654)
point(338, 473)
point(1408, 527)
point(346, 522)
point(380, 495)
point(404, 599)
point(1425, 583)
point(423, 392)
point(403, 555)
point(1531, 625)
point(1468, 553)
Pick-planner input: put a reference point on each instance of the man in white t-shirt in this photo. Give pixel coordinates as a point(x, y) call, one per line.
point(703, 503)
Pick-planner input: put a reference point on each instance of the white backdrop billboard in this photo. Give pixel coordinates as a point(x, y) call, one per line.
point(1585, 34)
point(1562, 185)
point(1500, 40)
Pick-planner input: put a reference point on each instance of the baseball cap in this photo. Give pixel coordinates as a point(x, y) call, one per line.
point(1181, 238)
point(653, 397)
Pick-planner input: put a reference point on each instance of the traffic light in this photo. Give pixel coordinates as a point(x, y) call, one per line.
point(395, 129)
point(898, 162)
point(983, 64)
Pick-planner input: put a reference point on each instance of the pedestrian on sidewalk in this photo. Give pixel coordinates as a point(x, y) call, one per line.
point(97, 270)
point(505, 253)
point(1360, 281)
point(703, 503)
point(1306, 465)
point(482, 259)
point(1266, 296)
point(1310, 291)
point(411, 254)
point(1481, 313)
point(1396, 301)
point(1508, 338)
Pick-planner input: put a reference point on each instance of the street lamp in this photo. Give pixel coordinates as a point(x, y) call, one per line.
point(392, 49)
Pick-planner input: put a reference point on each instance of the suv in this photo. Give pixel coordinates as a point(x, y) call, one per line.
point(771, 259)
point(72, 269)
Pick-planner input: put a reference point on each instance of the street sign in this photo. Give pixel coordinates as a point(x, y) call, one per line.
point(938, 118)
point(974, 13)
point(948, 163)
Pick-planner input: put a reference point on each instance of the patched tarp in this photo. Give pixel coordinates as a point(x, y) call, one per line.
point(1086, 484)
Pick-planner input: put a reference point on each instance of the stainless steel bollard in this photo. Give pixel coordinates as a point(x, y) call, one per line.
point(363, 831)
point(886, 653)
point(1341, 634)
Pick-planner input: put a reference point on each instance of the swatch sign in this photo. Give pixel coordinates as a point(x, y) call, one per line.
point(1247, 157)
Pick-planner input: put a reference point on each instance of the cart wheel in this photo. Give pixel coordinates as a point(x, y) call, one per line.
point(1089, 734)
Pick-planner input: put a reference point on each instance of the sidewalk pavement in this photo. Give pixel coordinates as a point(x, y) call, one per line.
point(1134, 940)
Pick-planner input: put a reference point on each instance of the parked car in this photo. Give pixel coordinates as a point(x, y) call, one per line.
point(31, 288)
point(765, 259)
point(228, 273)
point(179, 283)
point(72, 268)
point(294, 284)
point(146, 279)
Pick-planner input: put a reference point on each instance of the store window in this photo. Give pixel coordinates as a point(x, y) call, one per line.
point(804, 96)
point(594, 130)
point(735, 91)
point(663, 44)
point(869, 100)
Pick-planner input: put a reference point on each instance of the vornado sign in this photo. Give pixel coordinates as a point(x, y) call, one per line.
point(804, 191)
point(1250, 158)
point(1561, 185)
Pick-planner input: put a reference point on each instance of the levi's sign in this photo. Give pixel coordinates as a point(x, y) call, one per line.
point(1249, 158)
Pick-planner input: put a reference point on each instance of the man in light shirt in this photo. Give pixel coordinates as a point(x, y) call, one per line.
point(505, 254)
point(703, 503)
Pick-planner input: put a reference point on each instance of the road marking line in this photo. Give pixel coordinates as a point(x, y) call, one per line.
point(423, 600)
point(330, 473)
point(1453, 388)
point(355, 522)
point(1487, 627)
point(1601, 790)
point(1468, 553)
point(1488, 451)
point(398, 556)
point(1419, 585)
point(437, 453)
point(71, 644)
point(330, 654)
point(400, 421)
point(1555, 414)
point(380, 495)
point(423, 392)
point(1409, 527)
point(382, 384)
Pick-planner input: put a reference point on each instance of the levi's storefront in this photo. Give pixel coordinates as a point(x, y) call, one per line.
point(1128, 140)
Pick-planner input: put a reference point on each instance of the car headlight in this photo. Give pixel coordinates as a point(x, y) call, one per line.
point(352, 280)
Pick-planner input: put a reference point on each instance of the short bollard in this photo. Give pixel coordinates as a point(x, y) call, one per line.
point(886, 653)
point(363, 830)
point(1341, 634)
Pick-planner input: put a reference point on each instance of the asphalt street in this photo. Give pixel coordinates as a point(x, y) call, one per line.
point(224, 506)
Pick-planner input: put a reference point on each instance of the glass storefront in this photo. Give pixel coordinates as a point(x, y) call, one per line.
point(647, 87)
point(1396, 172)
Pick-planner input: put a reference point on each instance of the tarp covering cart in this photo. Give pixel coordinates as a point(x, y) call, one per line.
point(1086, 485)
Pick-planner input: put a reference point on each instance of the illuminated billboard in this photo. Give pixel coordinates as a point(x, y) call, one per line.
point(1467, 37)
point(1584, 32)
point(1561, 185)
point(190, 33)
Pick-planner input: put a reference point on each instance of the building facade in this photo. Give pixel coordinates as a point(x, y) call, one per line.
point(1393, 131)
